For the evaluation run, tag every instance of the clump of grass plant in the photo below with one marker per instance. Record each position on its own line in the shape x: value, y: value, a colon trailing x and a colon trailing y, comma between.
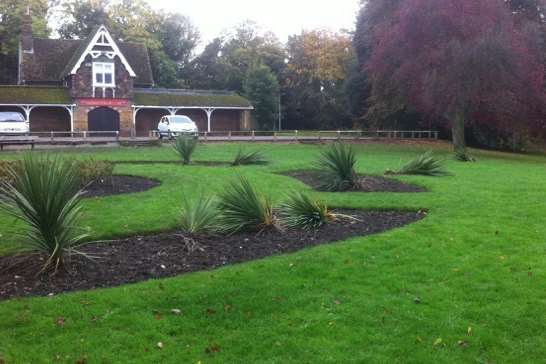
x: 302, y: 211
x: 198, y: 218
x: 185, y: 146
x: 244, y: 209
x: 336, y: 166
x: 462, y: 155
x: 425, y: 165
x: 45, y: 195
x: 244, y: 157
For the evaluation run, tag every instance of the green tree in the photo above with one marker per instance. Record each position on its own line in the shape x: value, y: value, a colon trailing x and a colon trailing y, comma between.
x: 262, y: 89
x: 81, y: 17
x: 11, y: 18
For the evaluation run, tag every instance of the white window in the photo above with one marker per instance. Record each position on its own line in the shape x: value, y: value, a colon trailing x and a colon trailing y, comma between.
x: 103, y: 74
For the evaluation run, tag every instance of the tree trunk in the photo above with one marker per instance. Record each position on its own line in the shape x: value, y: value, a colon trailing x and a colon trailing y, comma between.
x: 457, y: 130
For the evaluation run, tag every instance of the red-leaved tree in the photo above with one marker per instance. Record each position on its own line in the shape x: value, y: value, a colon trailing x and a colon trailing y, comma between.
x: 459, y: 61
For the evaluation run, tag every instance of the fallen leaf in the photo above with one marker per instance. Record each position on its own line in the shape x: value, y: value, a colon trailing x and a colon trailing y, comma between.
x: 81, y: 361
x: 176, y: 311
x: 418, y: 340
x: 438, y: 341
x: 337, y: 302
x: 462, y: 343
x: 157, y: 316
x: 160, y: 345
x: 417, y: 300
x: 227, y: 308
x: 211, y: 311
x: 60, y: 321
x: 213, y: 348
x: 469, y: 331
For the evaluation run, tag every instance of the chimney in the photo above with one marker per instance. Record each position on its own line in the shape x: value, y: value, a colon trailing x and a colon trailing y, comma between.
x: 27, y: 43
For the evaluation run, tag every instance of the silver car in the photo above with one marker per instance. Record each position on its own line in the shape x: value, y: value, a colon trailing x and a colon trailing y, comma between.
x: 13, y: 123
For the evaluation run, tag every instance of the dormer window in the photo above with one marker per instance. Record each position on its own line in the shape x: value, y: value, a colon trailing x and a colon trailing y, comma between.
x: 103, y: 74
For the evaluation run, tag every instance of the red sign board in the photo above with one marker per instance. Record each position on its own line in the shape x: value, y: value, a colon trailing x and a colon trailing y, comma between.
x: 103, y: 102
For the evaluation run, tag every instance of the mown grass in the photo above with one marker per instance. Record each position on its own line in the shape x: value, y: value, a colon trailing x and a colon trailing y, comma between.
x: 478, y: 260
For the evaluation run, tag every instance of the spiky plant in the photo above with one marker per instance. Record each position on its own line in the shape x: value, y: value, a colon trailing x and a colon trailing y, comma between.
x: 462, y: 155
x: 199, y: 217
x: 244, y: 157
x: 185, y: 146
x: 243, y: 208
x: 426, y: 165
x: 45, y: 195
x: 336, y: 166
x: 302, y: 211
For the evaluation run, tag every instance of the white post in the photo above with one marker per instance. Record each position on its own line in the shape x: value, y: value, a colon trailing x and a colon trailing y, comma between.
x: 209, y: 117
x: 70, y: 110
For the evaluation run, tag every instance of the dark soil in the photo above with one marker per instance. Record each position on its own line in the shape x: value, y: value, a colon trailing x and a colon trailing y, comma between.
x: 117, y: 185
x: 142, y: 258
x: 193, y: 163
x: 367, y: 183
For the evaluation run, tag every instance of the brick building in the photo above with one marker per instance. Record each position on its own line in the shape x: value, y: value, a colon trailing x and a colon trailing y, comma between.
x: 99, y: 84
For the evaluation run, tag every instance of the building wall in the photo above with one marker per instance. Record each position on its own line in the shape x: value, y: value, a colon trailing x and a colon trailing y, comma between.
x: 82, y: 82
x: 222, y: 120
x: 45, y: 119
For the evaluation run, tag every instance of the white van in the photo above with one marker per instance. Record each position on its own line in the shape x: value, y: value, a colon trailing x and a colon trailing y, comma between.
x: 13, y: 123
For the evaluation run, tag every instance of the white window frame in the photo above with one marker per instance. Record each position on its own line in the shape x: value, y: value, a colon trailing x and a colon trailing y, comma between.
x: 103, y: 83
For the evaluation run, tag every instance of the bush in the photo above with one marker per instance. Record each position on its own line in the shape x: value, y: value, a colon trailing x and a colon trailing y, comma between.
x: 47, y: 201
x: 464, y: 156
x: 336, y: 168
x: 425, y: 164
x: 185, y: 146
x: 6, y: 169
x: 91, y: 170
x: 301, y: 211
x: 246, y: 158
x: 199, y: 217
x: 242, y: 208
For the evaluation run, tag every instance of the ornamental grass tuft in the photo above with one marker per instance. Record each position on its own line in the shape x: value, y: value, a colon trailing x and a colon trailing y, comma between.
x: 244, y: 209
x: 425, y: 165
x: 45, y: 195
x: 185, y: 146
x: 336, y: 167
x: 302, y: 211
x: 199, y: 217
x: 248, y: 157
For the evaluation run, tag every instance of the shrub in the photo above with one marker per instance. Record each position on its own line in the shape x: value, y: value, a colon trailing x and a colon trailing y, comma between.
x: 6, y: 170
x: 47, y: 201
x: 248, y: 157
x: 301, y: 211
x: 464, y: 156
x: 425, y: 164
x: 199, y: 217
x: 185, y: 146
x: 242, y: 208
x: 336, y: 168
x: 91, y: 170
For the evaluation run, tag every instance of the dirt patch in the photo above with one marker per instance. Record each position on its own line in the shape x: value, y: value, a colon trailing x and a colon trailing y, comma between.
x: 196, y: 163
x: 118, y: 185
x: 367, y: 183
x: 141, y: 258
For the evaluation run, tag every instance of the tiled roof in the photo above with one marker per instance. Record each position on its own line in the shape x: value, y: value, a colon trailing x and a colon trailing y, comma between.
x: 34, y: 95
x: 188, y: 98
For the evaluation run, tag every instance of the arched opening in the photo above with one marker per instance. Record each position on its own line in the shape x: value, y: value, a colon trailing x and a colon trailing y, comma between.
x: 47, y: 119
x: 103, y: 119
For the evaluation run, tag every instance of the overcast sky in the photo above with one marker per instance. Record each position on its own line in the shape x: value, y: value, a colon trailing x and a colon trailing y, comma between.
x: 283, y: 17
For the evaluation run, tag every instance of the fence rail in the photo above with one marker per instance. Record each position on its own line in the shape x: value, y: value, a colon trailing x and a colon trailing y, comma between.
x: 252, y: 135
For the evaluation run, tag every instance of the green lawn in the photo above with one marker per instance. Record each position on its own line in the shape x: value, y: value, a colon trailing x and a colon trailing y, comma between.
x: 409, y: 295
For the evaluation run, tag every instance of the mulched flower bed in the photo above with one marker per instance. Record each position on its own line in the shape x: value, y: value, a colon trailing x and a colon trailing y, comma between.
x: 367, y: 183
x: 118, y: 185
x: 142, y: 258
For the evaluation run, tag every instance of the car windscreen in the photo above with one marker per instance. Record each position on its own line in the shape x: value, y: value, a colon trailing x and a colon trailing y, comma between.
x: 180, y: 120
x: 11, y: 117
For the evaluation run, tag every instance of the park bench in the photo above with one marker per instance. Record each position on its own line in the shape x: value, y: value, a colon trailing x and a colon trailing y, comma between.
x: 17, y: 140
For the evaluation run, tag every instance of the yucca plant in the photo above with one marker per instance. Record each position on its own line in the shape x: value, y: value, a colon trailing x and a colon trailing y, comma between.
x: 244, y: 157
x: 198, y: 218
x: 243, y: 208
x: 426, y: 165
x: 45, y: 195
x: 185, y: 146
x: 302, y: 211
x: 336, y: 166
x: 462, y: 155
